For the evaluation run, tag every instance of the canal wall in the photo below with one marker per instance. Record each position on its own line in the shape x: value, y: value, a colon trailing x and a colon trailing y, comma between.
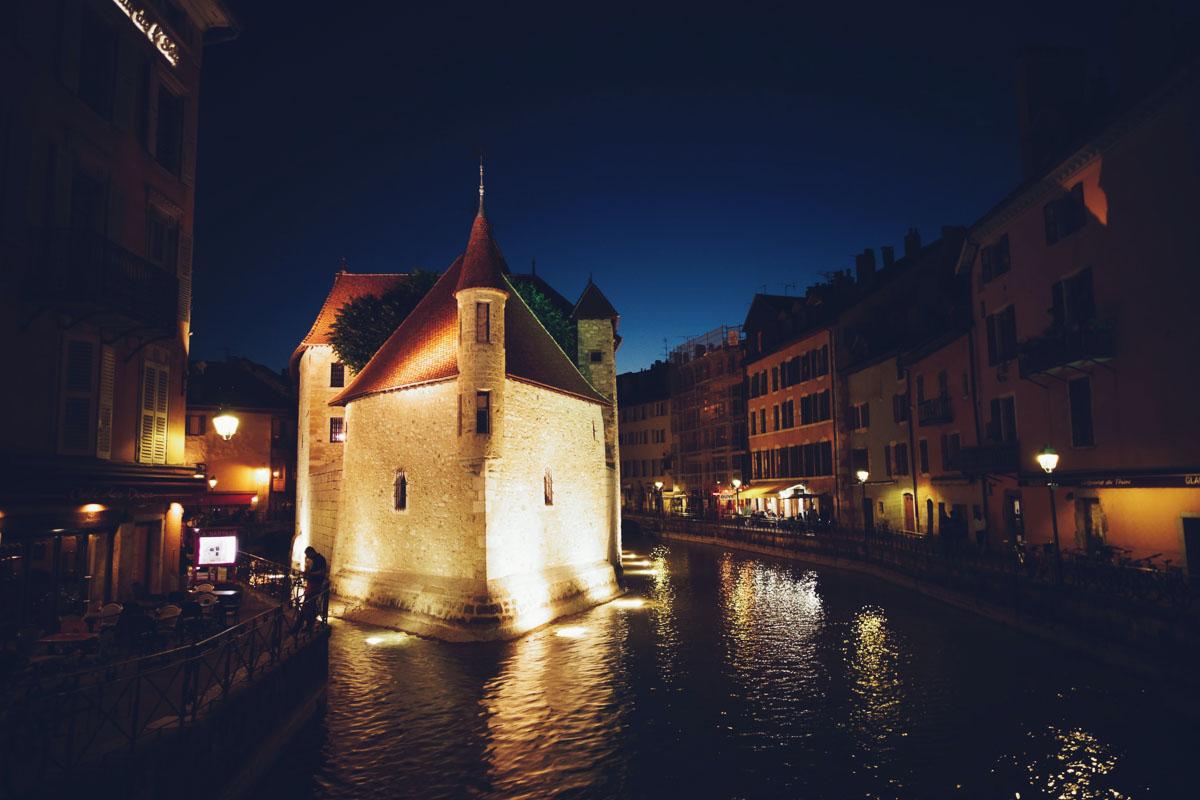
x: 1157, y: 643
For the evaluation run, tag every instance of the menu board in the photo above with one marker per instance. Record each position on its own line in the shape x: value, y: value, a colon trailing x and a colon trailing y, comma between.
x: 216, y: 549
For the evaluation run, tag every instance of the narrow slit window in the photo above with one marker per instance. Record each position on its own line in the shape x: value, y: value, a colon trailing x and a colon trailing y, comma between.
x: 483, y: 412
x: 400, y: 490
x: 483, y: 322
x: 548, y: 488
x: 337, y: 374
x: 337, y: 429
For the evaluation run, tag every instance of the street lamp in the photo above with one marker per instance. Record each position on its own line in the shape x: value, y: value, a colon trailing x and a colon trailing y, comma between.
x: 862, y: 476
x: 1047, y: 459
x: 212, y: 482
x: 658, y: 488
x: 226, y: 425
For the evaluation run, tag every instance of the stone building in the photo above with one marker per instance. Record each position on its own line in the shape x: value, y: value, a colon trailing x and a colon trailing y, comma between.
x: 98, y: 124
x: 646, y: 440
x: 478, y: 491
x: 320, y: 431
x: 708, y: 419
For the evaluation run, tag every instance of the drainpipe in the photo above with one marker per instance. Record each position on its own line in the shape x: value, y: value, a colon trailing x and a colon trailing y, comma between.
x: 983, y: 495
x: 833, y: 406
x: 914, y: 462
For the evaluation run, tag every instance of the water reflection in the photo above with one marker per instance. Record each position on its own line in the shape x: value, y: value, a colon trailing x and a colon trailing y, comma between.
x: 724, y: 675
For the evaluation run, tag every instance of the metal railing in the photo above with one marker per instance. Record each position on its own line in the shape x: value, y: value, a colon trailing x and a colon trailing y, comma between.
x: 84, y: 268
x: 969, y: 567
x: 935, y: 410
x: 49, y: 727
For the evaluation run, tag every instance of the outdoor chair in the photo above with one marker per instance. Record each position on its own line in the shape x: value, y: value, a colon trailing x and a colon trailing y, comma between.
x: 204, y: 588
x: 72, y: 623
x: 208, y: 608
x: 167, y: 621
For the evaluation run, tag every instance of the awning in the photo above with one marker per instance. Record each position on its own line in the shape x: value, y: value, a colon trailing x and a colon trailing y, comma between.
x: 227, y: 499
x: 764, y: 489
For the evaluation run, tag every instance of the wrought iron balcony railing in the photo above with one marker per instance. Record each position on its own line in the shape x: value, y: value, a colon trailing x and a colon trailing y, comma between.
x: 1000, y: 458
x: 1066, y: 346
x: 935, y: 411
x: 85, y: 270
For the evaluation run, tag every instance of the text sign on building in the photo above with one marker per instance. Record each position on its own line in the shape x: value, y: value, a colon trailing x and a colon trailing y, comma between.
x: 216, y: 549
x: 153, y: 31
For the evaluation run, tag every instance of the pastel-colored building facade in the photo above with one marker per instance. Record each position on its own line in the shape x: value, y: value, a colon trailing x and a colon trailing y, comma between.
x: 1084, y: 286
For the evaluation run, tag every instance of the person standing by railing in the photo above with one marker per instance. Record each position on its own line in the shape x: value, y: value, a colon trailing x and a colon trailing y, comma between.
x: 316, y: 578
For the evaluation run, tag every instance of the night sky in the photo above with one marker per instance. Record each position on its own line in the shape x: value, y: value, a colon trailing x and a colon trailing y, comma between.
x: 685, y: 156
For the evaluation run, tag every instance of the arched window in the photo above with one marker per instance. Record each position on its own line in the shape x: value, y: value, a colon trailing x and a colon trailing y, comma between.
x: 548, y: 488
x: 400, y: 490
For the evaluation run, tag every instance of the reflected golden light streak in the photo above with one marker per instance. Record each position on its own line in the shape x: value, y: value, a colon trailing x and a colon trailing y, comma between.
x: 571, y: 632
x: 629, y: 602
x: 390, y: 638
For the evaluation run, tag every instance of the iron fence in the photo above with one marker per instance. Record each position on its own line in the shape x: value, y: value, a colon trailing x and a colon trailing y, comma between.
x: 51, y: 726
x: 976, y: 570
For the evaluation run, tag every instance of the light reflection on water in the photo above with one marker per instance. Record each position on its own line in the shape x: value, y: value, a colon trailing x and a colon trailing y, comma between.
x: 737, y: 676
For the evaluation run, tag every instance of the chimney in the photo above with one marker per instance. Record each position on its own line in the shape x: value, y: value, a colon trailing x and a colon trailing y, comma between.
x: 912, y: 242
x: 864, y: 267
x: 889, y: 255
x: 1051, y: 104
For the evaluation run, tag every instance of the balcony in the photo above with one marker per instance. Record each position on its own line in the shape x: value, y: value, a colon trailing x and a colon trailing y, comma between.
x: 1066, y: 346
x: 99, y: 278
x: 1002, y: 458
x: 935, y: 411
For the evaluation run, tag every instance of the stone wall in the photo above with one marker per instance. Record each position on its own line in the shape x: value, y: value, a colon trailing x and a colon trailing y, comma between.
x: 440, y: 533
x: 314, y: 452
x: 325, y: 488
x: 547, y: 430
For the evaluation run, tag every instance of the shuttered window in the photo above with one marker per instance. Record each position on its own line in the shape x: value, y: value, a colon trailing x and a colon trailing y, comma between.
x: 79, y: 357
x: 152, y: 430
x: 104, y: 413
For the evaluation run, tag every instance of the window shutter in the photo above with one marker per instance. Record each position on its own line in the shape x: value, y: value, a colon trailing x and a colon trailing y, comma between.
x: 993, y: 355
x: 78, y: 366
x: 185, y: 277
x: 1051, y: 215
x: 187, y: 159
x: 72, y: 34
x: 152, y: 432
x: 128, y: 87
x: 104, y: 415
x: 985, y: 259
x: 151, y: 132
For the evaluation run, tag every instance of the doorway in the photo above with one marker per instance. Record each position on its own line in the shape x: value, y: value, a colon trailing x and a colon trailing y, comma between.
x: 910, y: 512
x: 1191, y: 547
x: 929, y: 515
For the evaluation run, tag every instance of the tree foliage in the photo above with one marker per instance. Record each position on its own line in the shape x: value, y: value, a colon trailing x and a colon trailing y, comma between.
x: 552, y: 318
x: 365, y: 323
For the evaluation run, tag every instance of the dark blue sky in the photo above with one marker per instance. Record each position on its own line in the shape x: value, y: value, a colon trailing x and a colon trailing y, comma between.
x: 684, y: 155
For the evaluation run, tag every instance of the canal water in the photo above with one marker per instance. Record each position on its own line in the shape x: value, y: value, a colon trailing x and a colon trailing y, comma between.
x: 733, y: 675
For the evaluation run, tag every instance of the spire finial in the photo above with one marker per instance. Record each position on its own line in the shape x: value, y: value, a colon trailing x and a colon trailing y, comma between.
x: 481, y: 183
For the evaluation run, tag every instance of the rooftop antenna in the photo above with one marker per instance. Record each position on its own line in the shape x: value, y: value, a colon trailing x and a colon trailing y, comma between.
x: 764, y: 288
x: 786, y: 286
x: 341, y: 263
x: 533, y: 266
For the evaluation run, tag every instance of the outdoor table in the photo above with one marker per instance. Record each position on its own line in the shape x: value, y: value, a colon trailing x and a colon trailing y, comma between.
x: 57, y: 640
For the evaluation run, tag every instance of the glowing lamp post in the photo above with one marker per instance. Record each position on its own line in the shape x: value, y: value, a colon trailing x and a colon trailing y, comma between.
x: 737, y: 495
x: 212, y: 482
x: 862, y: 476
x: 226, y: 425
x: 658, y: 489
x: 1047, y: 459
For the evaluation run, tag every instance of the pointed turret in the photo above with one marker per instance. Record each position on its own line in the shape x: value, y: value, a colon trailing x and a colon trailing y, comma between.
x: 592, y: 304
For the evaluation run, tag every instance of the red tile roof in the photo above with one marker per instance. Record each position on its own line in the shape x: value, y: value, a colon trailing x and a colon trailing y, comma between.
x: 425, y: 346
x: 482, y: 263
x: 346, y: 287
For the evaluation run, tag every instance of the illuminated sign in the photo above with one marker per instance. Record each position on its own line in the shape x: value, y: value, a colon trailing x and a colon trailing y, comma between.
x: 154, y: 32
x: 216, y: 551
